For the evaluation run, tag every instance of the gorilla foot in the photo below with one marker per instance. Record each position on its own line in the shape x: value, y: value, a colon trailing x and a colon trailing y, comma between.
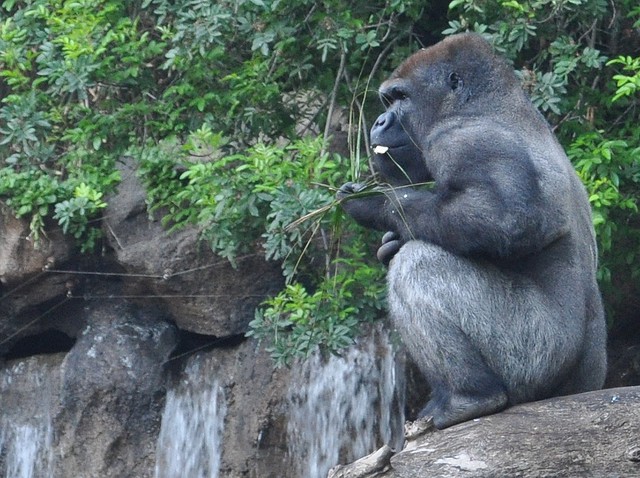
x: 460, y: 408
x: 414, y: 430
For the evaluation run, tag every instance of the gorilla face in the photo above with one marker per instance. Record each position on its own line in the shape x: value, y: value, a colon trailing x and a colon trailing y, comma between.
x: 397, y: 134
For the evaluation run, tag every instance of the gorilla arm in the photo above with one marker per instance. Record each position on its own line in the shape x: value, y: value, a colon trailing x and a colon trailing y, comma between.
x: 488, y: 200
x: 364, y: 212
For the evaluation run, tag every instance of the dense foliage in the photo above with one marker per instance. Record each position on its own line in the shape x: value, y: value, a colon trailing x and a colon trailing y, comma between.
x: 229, y: 108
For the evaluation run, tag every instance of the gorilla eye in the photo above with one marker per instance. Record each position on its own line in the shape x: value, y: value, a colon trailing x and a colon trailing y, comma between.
x: 455, y: 81
x: 395, y: 93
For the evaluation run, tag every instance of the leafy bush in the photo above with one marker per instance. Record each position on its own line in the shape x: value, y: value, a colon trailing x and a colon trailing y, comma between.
x: 251, y: 200
x: 296, y: 322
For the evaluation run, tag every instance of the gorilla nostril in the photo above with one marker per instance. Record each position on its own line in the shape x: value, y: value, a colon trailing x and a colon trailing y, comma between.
x: 384, y: 121
x: 382, y: 131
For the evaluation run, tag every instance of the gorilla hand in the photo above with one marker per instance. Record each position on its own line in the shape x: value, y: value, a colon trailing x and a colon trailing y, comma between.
x: 349, y: 188
x: 364, y: 208
x: 391, y: 244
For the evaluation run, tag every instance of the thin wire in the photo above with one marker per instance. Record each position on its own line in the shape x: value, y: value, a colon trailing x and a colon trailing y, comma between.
x: 159, y: 296
x: 70, y: 296
x: 187, y: 271
x: 17, y: 288
x: 165, y: 276
x: 192, y: 351
x: 94, y: 273
x: 25, y: 327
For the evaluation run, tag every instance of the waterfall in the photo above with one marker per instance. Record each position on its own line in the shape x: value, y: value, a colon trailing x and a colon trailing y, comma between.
x: 190, y: 441
x: 26, y: 431
x: 343, y: 408
x: 28, y: 450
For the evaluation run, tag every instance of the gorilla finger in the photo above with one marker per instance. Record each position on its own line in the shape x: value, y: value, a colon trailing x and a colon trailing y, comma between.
x: 390, y: 236
x: 345, y: 189
x: 387, y: 250
x: 348, y: 188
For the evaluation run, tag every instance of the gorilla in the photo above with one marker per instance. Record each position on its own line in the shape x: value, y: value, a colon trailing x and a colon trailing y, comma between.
x: 492, y: 270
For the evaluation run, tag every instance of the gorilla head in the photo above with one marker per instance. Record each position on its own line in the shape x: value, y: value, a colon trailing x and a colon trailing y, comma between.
x: 450, y: 80
x: 491, y: 282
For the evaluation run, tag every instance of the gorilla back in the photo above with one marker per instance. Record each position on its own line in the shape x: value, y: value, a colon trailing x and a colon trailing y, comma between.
x: 491, y: 280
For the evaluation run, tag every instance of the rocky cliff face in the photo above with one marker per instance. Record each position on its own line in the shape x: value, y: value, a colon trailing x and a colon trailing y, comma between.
x: 133, y: 363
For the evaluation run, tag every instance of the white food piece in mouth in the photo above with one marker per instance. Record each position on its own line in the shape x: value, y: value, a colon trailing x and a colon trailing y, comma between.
x: 380, y: 149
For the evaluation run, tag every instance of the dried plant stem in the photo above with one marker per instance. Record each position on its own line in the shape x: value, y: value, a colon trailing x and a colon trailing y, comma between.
x: 368, y: 190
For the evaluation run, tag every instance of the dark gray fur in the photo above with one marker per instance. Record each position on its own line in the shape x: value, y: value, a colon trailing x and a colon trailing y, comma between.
x: 491, y: 280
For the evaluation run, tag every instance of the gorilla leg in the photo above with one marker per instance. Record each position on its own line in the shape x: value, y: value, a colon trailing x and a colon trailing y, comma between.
x: 591, y: 370
x: 482, y: 339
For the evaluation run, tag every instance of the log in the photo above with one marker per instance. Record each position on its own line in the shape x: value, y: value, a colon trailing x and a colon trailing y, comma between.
x: 594, y: 434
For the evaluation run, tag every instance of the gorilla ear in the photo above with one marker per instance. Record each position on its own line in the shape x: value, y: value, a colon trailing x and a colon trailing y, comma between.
x: 455, y: 81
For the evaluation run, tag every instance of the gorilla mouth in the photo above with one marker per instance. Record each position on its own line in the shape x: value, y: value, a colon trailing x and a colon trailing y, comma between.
x: 381, y: 149
x: 400, y: 164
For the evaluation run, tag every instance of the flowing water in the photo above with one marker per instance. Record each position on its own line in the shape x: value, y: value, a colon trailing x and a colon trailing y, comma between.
x: 343, y: 408
x: 337, y: 409
x: 190, y: 441
x: 27, y: 449
x: 26, y: 431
